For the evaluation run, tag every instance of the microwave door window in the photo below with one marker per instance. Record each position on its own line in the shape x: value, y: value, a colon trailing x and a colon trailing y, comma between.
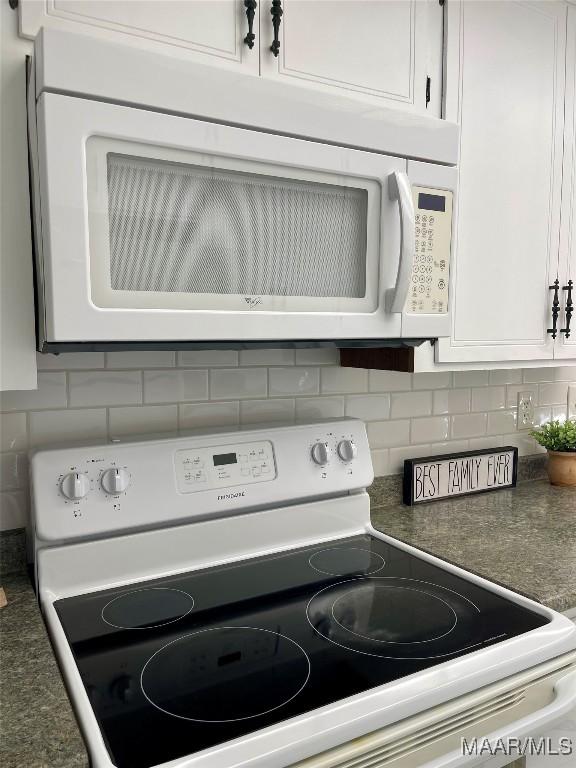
x: 193, y: 235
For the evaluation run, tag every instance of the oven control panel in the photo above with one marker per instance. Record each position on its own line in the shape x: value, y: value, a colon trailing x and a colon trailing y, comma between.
x: 223, y: 466
x: 428, y: 292
x: 95, y: 490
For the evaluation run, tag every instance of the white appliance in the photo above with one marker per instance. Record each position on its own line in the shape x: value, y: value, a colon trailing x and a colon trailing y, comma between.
x: 222, y: 600
x: 178, y: 204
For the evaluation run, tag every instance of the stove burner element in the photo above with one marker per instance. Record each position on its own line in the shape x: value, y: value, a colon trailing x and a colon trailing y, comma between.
x: 147, y: 608
x: 211, y: 676
x: 391, y: 618
x: 346, y: 561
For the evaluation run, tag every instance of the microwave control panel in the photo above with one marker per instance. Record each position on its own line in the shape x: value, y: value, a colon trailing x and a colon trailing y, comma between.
x: 428, y: 292
x: 201, y: 469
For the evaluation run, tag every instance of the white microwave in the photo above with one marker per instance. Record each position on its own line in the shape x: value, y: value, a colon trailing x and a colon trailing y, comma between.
x: 163, y: 226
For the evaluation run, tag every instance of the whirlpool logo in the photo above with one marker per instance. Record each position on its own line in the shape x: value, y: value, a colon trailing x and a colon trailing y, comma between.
x: 226, y: 496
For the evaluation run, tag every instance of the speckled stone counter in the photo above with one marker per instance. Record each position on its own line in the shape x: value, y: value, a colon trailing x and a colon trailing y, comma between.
x: 524, y: 538
x: 37, y: 725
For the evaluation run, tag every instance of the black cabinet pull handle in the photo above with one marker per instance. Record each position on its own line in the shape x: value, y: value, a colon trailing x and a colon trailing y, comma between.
x: 276, y: 12
x: 569, y: 308
x: 555, y: 309
x: 250, y: 6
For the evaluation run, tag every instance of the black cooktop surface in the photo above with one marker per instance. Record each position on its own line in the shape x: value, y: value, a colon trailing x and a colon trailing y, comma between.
x: 176, y: 665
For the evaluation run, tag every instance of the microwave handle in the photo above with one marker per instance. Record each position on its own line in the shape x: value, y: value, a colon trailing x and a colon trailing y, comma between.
x: 399, y: 189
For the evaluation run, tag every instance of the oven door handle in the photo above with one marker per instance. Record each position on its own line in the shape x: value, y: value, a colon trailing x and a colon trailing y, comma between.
x: 564, y: 703
x: 399, y: 189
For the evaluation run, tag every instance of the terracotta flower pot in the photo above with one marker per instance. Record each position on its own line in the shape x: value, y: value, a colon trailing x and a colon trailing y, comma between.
x: 562, y: 467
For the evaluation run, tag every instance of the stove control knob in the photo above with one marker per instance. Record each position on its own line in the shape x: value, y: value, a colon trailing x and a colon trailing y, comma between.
x: 75, y: 485
x: 115, y: 481
x: 347, y: 450
x: 320, y: 453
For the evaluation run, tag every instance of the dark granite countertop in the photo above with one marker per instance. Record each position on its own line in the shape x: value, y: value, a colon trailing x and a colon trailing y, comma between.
x: 524, y: 538
x: 37, y: 725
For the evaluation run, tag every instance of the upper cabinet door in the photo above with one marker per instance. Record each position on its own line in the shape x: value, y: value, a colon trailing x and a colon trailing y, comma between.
x: 374, y: 50
x: 505, y: 85
x: 207, y: 31
x: 566, y: 347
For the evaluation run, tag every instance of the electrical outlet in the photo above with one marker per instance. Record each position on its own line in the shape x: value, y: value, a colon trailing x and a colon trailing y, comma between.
x: 525, y: 410
x: 571, y: 404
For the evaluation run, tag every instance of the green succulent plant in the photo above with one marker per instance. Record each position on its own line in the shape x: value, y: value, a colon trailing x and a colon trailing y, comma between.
x: 557, y: 435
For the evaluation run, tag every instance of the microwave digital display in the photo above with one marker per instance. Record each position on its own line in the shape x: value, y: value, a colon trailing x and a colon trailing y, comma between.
x: 431, y: 202
x: 224, y: 458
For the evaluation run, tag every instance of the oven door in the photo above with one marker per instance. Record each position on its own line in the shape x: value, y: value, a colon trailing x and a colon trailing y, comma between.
x: 162, y: 228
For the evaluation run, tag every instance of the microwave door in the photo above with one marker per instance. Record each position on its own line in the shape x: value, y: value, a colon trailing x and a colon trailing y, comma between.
x: 164, y: 229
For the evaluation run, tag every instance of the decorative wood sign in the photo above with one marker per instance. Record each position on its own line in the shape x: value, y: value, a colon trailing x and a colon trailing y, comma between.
x: 459, y: 474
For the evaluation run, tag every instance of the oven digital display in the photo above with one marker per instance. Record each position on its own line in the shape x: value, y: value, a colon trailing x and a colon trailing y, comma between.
x: 431, y: 202
x: 225, y: 458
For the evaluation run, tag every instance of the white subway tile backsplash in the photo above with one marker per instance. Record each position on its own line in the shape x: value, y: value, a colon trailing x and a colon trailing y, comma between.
x: 293, y: 381
x: 488, y: 398
x: 267, y: 411
x: 267, y: 357
x: 410, y: 404
x: 318, y: 356
x: 451, y: 401
x: 336, y: 380
x: 380, y: 458
x: 565, y: 373
x: 86, y: 396
x: 389, y: 381
x: 479, y: 443
x: 314, y: 408
x: 13, y: 471
x: 14, y: 510
x: 553, y: 394
x: 526, y: 445
x: 208, y: 358
x: 512, y: 393
x: 207, y: 415
x: 238, y: 383
x: 431, y: 380
x: 175, y: 385
x: 432, y: 429
x: 91, y: 388
x: 143, y: 359
x: 500, y: 422
x: 471, y: 378
x: 368, y: 407
x: 506, y: 376
x: 47, y: 427
x: 536, y: 375
x: 469, y: 425
x: 13, y: 432
x: 51, y: 393
x: 69, y: 361
x: 143, y: 420
x: 396, y: 456
x: 387, y: 434
x: 449, y: 446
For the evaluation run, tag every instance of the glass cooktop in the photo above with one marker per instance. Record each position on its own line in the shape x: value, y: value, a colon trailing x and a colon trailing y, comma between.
x: 180, y: 664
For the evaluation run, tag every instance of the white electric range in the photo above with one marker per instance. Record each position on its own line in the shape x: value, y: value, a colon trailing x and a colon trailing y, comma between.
x: 222, y: 600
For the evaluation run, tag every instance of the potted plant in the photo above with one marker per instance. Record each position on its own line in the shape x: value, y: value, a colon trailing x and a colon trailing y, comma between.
x: 559, y: 439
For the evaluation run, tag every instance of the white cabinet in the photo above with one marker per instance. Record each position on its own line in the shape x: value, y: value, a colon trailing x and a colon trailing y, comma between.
x: 378, y: 51
x: 208, y: 31
x: 17, y: 341
x: 505, y: 85
x: 375, y: 50
x: 566, y: 347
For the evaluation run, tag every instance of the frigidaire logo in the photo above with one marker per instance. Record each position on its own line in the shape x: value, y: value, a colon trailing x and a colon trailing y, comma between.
x: 231, y: 495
